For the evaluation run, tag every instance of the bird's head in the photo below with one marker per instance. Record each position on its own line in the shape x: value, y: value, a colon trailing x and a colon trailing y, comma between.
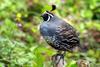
x: 48, y: 14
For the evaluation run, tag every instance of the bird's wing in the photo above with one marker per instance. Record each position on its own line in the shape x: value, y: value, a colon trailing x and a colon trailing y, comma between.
x: 66, y: 36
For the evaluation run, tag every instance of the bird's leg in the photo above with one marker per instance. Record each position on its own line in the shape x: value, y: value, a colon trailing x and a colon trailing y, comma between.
x: 54, y: 56
x: 64, y: 53
x: 58, y: 57
x: 61, y: 54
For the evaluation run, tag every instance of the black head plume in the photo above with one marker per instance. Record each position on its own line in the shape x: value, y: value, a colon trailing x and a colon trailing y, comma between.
x: 53, y: 7
x: 48, y: 14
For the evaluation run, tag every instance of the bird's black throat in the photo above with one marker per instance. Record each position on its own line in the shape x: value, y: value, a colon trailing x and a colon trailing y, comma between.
x: 45, y: 17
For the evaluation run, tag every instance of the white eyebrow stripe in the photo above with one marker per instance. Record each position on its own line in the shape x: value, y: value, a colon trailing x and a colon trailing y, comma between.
x: 50, y: 14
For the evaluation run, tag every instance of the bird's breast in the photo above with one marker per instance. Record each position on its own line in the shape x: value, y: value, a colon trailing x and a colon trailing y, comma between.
x: 48, y: 32
x: 47, y: 29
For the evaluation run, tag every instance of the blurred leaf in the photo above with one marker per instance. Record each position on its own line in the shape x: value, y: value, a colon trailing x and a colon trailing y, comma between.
x: 72, y: 64
x: 46, y: 8
x: 86, y: 14
x: 2, y: 65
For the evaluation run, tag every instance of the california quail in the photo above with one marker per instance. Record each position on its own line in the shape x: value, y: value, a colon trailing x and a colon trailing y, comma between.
x: 58, y: 33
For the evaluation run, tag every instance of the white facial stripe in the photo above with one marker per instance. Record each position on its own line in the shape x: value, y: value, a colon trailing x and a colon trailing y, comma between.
x: 48, y: 18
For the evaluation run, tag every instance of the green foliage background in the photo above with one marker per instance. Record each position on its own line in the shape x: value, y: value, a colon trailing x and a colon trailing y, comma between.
x: 21, y: 44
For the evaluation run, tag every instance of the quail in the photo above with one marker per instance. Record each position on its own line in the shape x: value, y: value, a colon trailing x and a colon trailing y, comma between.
x: 58, y: 34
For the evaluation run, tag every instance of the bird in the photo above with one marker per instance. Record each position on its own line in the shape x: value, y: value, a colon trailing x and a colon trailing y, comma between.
x: 59, y: 34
